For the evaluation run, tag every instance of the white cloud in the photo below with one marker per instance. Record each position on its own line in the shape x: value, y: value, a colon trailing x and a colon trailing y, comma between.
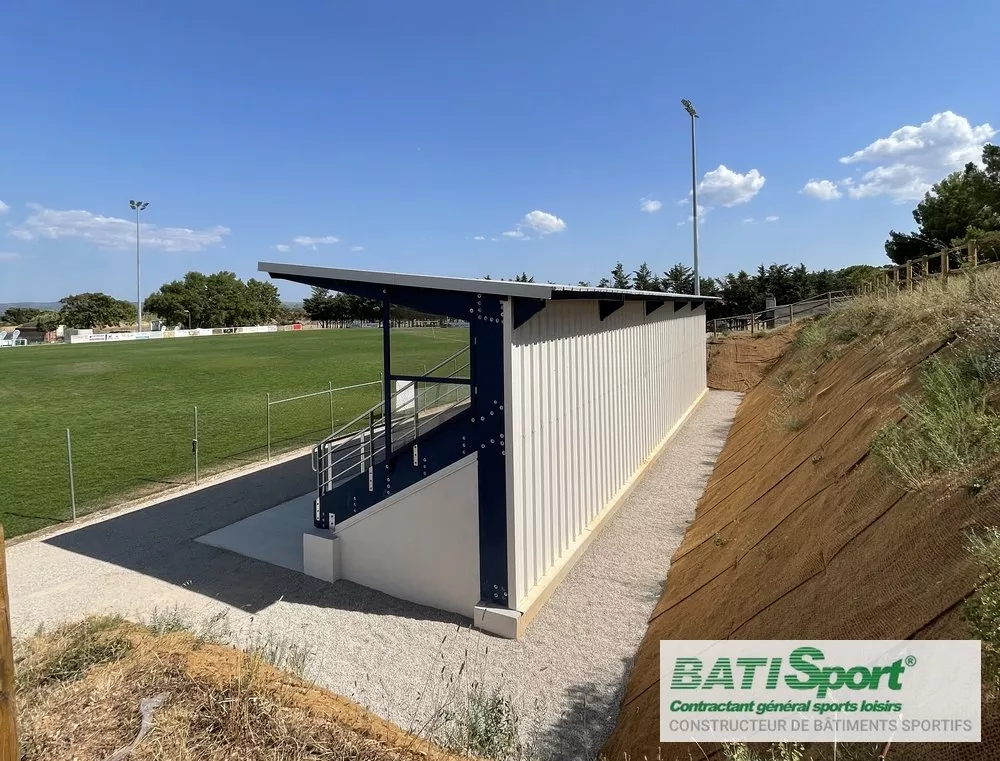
x: 771, y: 219
x: 8, y: 256
x: 748, y: 220
x: 355, y: 249
x: 513, y: 234
x: 113, y: 233
x: 649, y: 205
x: 702, y: 213
x: 725, y: 187
x: 824, y: 190
x: 542, y: 222
x: 480, y: 237
x: 4, y: 208
x: 311, y: 242
x: 911, y: 159
x: 283, y: 248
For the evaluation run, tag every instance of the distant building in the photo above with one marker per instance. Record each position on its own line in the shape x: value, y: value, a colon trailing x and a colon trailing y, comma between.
x: 31, y: 333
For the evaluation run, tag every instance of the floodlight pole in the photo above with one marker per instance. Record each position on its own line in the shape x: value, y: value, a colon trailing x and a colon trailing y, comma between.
x: 694, y: 193
x: 137, y: 206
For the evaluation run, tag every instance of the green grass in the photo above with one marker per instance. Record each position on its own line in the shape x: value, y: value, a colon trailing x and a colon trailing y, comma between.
x: 130, y: 408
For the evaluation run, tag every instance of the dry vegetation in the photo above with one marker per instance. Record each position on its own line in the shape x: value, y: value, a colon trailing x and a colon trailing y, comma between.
x: 80, y: 687
x: 868, y: 458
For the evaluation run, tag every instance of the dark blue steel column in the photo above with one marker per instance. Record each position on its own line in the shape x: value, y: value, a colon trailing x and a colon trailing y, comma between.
x: 387, y: 383
x: 486, y: 352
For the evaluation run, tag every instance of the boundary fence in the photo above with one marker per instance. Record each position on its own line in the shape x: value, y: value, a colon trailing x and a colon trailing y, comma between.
x: 272, y: 447
x: 947, y: 261
x: 779, y: 315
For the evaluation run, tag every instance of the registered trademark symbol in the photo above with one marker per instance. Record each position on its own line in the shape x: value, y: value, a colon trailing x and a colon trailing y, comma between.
x: 911, y: 660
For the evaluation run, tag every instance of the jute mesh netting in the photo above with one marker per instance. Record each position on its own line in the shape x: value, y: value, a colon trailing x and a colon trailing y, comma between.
x: 801, y: 534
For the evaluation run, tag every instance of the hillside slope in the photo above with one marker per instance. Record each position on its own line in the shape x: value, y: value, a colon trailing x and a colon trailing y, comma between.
x: 801, y: 533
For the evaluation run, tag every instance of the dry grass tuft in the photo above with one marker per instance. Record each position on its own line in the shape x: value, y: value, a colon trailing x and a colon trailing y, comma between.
x: 80, y: 686
x: 933, y: 310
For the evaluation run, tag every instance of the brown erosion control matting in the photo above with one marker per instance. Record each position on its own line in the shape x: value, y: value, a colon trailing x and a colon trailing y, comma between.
x: 739, y: 362
x: 800, y: 535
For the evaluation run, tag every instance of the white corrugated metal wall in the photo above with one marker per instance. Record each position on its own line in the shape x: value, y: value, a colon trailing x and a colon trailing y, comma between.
x: 588, y: 402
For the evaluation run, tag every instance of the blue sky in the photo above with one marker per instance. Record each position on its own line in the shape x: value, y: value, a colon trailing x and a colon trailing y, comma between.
x: 392, y: 135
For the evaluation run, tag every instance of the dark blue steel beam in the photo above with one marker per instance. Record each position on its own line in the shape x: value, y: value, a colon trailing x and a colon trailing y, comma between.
x: 525, y: 309
x: 486, y: 351
x: 431, y: 379
x: 607, y: 308
x: 458, y: 305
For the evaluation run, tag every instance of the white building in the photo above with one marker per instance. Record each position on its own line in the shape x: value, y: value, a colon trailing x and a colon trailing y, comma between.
x: 479, y: 498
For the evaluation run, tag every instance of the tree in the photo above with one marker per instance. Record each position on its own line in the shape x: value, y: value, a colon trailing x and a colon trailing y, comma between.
x: 644, y: 279
x: 523, y: 278
x: 965, y: 200
x: 678, y: 279
x: 259, y: 304
x: 47, y: 321
x: 95, y: 310
x: 318, y: 305
x: 217, y: 300
x: 620, y: 278
x: 19, y: 315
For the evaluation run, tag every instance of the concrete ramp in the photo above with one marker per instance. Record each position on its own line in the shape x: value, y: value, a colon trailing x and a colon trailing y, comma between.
x: 274, y: 536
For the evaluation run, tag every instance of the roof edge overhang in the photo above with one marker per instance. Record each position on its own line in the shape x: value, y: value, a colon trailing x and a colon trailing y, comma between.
x: 336, y: 279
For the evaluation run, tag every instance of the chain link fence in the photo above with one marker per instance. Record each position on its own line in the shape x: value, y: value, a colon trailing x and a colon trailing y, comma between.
x: 77, y: 470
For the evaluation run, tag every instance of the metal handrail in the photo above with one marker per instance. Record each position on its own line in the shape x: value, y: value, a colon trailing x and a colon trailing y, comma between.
x: 321, y: 461
x: 752, y: 318
x: 339, y: 433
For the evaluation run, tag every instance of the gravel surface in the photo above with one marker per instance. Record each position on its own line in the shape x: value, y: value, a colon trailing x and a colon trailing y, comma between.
x: 403, y: 661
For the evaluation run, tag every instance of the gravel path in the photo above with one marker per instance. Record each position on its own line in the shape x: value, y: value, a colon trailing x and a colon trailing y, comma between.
x: 403, y: 661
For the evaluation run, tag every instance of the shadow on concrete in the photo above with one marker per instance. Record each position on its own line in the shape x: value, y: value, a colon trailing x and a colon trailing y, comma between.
x: 159, y: 541
x: 582, y: 730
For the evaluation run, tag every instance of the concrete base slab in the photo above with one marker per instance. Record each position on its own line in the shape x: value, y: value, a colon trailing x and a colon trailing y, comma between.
x: 274, y: 536
x: 502, y: 622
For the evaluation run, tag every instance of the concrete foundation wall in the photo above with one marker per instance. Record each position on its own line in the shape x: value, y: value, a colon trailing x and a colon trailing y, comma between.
x: 420, y: 545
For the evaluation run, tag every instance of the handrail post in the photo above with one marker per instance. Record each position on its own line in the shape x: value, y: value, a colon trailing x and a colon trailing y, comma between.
x: 973, y: 254
x: 944, y: 264
x: 416, y: 423
x: 791, y: 313
x: 371, y: 446
x: 72, y: 482
x: 269, y: 427
x: 909, y: 276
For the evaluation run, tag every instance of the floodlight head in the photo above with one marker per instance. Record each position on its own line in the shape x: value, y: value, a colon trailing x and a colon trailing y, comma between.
x: 689, y: 108
x: 143, y: 205
x: 132, y: 204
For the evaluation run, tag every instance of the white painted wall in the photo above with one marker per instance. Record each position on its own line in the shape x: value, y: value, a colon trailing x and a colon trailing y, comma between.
x: 422, y: 544
x: 588, y: 402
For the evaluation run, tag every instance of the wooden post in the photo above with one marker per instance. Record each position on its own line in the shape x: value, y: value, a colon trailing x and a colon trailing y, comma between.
x: 973, y: 254
x: 909, y: 276
x: 8, y: 710
x: 944, y: 264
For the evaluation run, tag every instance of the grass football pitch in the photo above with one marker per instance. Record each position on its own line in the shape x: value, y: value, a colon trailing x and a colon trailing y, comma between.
x: 130, y: 409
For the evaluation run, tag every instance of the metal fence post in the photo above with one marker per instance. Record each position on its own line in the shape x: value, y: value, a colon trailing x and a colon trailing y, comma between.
x: 333, y: 428
x: 194, y: 446
x: 72, y: 484
x: 269, y: 427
